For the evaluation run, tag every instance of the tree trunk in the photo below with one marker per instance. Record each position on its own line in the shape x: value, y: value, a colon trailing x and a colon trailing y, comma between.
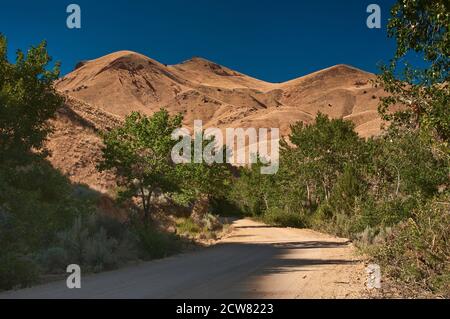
x: 308, y: 191
x: 265, y: 202
x: 200, y: 209
x: 398, y: 181
x: 325, y: 189
x: 146, y: 198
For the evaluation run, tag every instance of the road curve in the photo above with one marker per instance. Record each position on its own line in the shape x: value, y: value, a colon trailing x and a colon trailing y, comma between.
x: 254, y: 261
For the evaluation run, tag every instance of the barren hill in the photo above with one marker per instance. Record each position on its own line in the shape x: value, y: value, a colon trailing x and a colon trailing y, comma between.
x: 125, y: 81
x: 100, y: 92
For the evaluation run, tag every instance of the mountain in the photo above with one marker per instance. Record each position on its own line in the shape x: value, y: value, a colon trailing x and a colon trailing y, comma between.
x: 103, y: 91
x: 126, y: 81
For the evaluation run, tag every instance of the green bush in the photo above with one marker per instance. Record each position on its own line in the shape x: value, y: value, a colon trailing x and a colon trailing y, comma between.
x: 154, y: 244
x: 97, y: 243
x: 281, y: 217
x: 418, y: 249
x: 53, y: 260
x: 187, y: 226
x: 39, y: 203
x: 206, y: 228
x: 225, y: 207
x: 100, y: 252
x: 17, y: 271
x: 211, y: 223
x: 337, y: 223
x: 372, y: 236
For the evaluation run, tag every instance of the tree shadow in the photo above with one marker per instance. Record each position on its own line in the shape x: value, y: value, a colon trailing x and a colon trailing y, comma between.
x: 255, y: 227
x: 312, y: 244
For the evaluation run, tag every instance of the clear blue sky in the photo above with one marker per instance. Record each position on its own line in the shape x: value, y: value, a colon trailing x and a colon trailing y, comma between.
x: 274, y: 40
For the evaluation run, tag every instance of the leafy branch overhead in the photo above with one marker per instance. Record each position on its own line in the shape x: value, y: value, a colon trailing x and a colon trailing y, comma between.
x: 27, y: 98
x: 419, y: 96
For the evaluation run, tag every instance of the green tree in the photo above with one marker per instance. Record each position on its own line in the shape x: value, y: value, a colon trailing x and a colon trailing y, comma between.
x: 419, y: 26
x: 411, y: 162
x: 36, y: 201
x: 253, y: 191
x: 201, y: 182
x: 139, y: 153
x: 319, y: 154
x: 27, y: 100
x: 404, y: 164
x: 312, y: 160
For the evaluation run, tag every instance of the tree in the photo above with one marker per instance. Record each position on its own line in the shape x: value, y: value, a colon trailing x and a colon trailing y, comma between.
x: 252, y: 190
x: 27, y: 100
x: 139, y: 152
x: 412, y: 161
x: 419, y: 26
x: 319, y: 154
x: 200, y: 182
x: 405, y: 164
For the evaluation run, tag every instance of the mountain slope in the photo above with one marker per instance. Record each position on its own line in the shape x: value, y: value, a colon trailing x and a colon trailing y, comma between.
x: 126, y: 81
x: 101, y: 92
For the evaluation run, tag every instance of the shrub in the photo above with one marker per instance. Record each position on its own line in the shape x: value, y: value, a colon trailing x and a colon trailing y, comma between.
x: 282, y: 217
x: 38, y: 202
x: 211, y: 222
x: 336, y: 223
x: 154, y: 244
x: 100, y: 251
x: 187, y: 226
x: 206, y: 228
x: 17, y: 271
x: 98, y: 243
x: 418, y: 250
x: 225, y: 207
x: 53, y: 260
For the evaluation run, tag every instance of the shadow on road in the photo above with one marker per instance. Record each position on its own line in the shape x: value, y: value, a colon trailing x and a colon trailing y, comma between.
x: 228, y: 270
x: 312, y: 244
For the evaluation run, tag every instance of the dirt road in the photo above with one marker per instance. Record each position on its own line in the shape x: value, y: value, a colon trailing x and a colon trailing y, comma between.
x: 254, y: 261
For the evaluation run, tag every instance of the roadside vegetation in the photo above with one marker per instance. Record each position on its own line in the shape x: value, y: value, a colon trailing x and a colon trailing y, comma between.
x: 47, y: 222
x: 390, y: 194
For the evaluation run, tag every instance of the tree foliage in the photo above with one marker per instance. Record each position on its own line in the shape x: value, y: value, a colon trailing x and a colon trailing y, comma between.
x: 27, y: 99
x: 139, y: 153
x: 201, y: 182
x: 421, y: 93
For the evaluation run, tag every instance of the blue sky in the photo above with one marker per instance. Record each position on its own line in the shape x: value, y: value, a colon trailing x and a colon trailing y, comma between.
x: 274, y: 40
